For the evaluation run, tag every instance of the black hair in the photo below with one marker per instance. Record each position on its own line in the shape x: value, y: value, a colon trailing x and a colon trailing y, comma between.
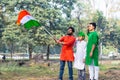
x: 93, y: 24
x: 73, y: 30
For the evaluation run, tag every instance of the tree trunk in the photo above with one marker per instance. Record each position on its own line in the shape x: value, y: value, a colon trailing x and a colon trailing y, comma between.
x: 48, y: 51
x: 30, y: 52
x: 11, y: 50
x: 11, y: 55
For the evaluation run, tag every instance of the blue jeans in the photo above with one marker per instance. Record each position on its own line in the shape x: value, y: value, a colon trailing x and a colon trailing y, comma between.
x: 62, y: 65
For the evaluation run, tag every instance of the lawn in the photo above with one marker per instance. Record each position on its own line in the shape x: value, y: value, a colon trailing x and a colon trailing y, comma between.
x: 48, y: 70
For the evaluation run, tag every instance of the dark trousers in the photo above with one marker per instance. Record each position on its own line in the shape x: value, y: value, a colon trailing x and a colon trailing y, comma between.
x: 62, y: 65
x: 81, y: 74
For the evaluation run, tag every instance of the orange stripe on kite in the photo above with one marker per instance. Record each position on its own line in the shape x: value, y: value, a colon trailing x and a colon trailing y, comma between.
x: 21, y: 15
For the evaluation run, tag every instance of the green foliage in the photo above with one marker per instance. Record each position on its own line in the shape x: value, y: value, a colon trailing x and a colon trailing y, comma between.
x: 55, y: 16
x: 108, y: 49
x: 46, y: 12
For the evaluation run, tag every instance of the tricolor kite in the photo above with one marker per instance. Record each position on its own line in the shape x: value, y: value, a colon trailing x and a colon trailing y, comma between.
x: 27, y: 20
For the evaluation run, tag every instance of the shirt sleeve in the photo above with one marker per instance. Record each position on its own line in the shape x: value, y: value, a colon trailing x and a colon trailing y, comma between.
x: 61, y: 39
x: 95, y: 39
x: 70, y: 41
x: 84, y: 50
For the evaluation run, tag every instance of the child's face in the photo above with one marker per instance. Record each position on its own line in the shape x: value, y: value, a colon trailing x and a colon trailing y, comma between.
x: 80, y: 38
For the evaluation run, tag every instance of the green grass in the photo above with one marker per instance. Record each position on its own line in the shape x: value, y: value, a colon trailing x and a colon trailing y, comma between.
x: 11, y: 70
x: 104, y: 67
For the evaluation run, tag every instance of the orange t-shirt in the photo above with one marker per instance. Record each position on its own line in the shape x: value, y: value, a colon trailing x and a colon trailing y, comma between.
x: 67, y: 53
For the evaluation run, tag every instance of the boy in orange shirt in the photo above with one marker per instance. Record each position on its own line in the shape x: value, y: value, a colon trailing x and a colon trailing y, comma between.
x: 67, y: 54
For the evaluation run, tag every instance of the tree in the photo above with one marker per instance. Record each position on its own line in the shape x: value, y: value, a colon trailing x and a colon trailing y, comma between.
x: 10, y: 37
x: 51, y: 19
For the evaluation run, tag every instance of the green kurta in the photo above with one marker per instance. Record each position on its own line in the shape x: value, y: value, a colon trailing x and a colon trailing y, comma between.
x: 92, y: 39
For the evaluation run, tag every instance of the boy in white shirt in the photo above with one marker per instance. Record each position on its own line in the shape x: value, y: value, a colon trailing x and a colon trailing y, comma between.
x: 80, y: 56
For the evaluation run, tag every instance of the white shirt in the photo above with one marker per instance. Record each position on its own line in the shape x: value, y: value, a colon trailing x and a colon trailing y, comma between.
x: 80, y: 55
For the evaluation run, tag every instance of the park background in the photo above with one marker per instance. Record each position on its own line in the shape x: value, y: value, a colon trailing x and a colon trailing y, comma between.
x: 34, y: 55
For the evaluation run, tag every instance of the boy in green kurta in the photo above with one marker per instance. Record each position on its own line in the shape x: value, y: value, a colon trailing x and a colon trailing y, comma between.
x: 92, y: 55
